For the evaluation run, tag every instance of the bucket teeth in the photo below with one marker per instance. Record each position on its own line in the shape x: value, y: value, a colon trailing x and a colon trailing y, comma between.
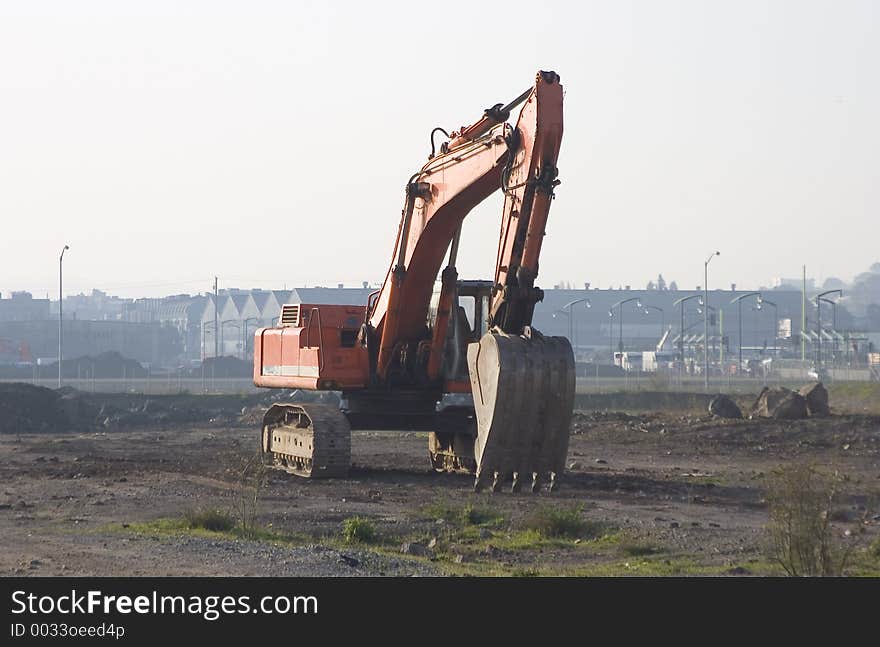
x: 496, y: 481
x: 514, y: 486
x: 536, y: 482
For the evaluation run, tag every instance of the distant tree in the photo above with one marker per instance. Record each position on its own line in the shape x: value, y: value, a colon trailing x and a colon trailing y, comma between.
x: 875, y: 268
x: 833, y: 283
x: 661, y: 282
x: 673, y: 286
x: 864, y: 292
x: 873, y: 316
x: 650, y: 286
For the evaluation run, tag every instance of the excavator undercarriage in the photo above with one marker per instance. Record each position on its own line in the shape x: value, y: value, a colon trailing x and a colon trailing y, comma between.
x: 311, y: 440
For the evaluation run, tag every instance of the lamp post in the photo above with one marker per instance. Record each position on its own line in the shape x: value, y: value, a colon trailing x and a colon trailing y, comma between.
x: 205, y: 325
x: 818, y: 300
x: 706, y: 319
x: 761, y: 302
x: 60, y: 312
x: 611, y: 334
x: 738, y: 301
x: 833, y: 305
x: 662, y: 317
x: 619, y: 305
x: 568, y: 306
x: 230, y: 322
x: 680, y: 303
x: 245, y: 337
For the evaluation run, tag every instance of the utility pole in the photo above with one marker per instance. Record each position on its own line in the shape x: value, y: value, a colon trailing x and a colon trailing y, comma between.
x: 819, y: 300
x: 706, y: 320
x: 60, y: 313
x: 216, y: 316
x: 804, y: 317
x: 738, y: 301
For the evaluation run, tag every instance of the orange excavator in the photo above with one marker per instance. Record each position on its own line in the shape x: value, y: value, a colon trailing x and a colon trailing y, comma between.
x: 462, y: 363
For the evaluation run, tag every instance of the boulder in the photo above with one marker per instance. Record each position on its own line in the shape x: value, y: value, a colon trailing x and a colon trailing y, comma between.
x: 780, y: 403
x: 816, y: 396
x: 414, y: 548
x: 722, y: 406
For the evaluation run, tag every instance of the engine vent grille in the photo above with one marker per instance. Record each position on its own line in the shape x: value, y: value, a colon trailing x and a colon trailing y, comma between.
x: 290, y: 315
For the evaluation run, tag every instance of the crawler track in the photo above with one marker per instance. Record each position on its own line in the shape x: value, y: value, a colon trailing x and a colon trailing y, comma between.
x: 309, y: 440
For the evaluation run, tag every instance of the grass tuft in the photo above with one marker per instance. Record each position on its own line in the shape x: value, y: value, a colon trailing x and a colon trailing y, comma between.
x: 635, y: 549
x: 207, y: 519
x: 565, y: 523
x: 357, y: 530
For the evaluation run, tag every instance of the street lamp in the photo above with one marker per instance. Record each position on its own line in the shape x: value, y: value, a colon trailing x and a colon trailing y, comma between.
x: 662, y: 317
x: 570, y: 315
x: 706, y: 318
x: 611, y: 334
x: 833, y: 305
x: 244, y: 335
x: 761, y: 301
x: 60, y: 314
x: 738, y: 301
x: 619, y: 306
x: 680, y: 303
x: 205, y: 325
x: 818, y: 300
x: 231, y: 322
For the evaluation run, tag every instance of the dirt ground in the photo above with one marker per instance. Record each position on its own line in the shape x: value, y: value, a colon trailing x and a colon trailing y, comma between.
x: 649, y: 493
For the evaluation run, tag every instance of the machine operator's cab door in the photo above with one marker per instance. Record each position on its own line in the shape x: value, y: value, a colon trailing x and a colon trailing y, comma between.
x: 468, y: 323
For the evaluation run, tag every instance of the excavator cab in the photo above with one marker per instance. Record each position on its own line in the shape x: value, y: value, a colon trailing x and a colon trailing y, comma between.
x: 468, y: 322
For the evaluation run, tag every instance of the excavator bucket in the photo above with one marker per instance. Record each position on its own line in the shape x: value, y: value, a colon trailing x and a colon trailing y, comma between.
x: 523, y: 388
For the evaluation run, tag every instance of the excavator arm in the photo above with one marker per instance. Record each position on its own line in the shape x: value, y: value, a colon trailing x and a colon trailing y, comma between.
x: 528, y: 180
x: 522, y: 382
x: 475, y: 163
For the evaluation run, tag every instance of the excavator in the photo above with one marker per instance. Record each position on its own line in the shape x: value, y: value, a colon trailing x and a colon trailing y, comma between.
x: 463, y: 362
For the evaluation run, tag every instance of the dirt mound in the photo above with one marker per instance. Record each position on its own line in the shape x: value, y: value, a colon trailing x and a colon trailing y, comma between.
x: 816, y: 396
x: 780, y: 403
x: 722, y: 406
x: 106, y: 365
x: 27, y: 408
x: 219, y: 367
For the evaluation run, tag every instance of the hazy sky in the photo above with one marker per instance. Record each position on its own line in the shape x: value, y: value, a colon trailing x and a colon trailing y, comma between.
x: 269, y: 142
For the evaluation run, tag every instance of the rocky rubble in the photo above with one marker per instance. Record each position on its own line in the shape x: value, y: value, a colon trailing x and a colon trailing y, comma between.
x: 780, y: 403
x: 816, y: 396
x: 723, y: 406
